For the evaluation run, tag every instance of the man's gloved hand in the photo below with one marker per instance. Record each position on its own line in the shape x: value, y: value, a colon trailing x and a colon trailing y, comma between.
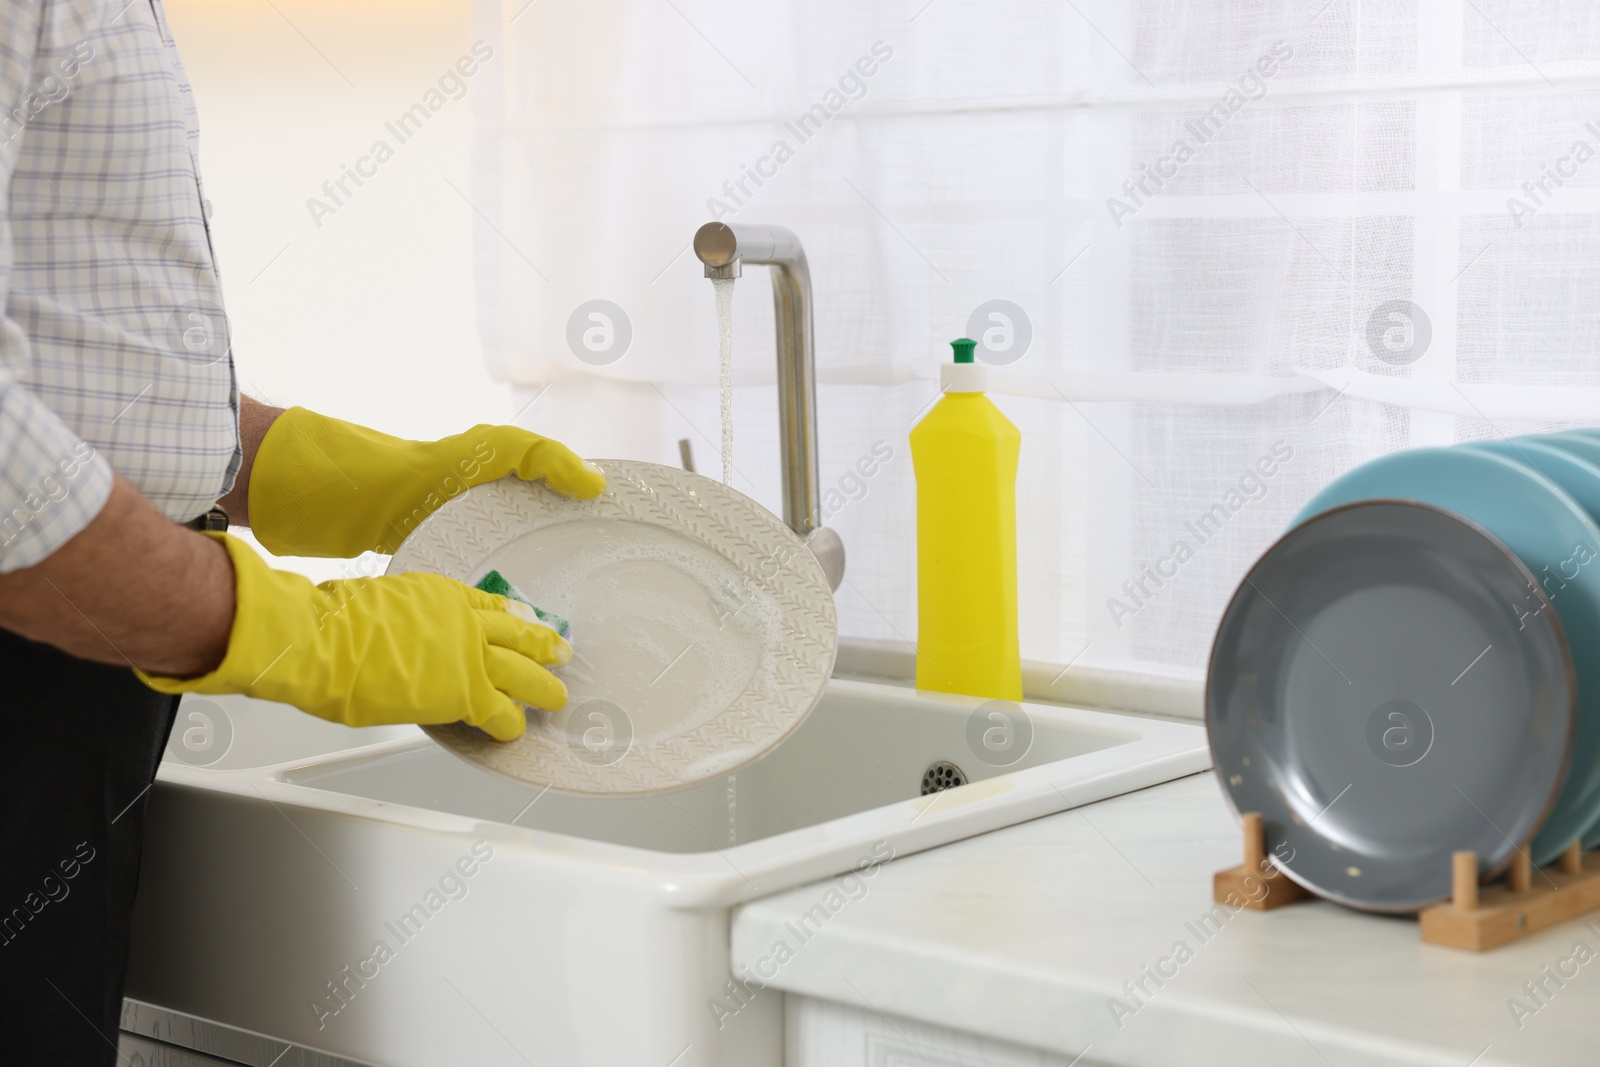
x: 322, y: 487
x: 407, y: 648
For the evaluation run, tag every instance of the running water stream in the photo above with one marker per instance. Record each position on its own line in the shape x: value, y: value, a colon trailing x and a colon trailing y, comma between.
x: 724, y: 292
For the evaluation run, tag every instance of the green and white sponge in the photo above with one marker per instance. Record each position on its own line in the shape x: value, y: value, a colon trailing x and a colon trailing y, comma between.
x: 520, y: 606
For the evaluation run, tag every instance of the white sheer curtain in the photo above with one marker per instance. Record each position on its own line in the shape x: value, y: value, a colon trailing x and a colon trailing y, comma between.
x: 1330, y: 267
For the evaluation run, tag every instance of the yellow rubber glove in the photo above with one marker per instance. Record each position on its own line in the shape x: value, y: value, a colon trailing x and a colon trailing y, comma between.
x: 323, y: 487
x: 406, y: 648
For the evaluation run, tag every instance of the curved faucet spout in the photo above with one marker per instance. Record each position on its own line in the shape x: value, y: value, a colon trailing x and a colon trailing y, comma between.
x: 721, y: 247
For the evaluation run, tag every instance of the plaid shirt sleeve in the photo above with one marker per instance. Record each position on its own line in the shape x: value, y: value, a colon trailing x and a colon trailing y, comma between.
x: 114, y: 347
x: 52, y: 482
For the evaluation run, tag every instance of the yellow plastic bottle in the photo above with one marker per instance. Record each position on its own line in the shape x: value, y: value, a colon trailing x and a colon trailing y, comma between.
x: 965, y: 455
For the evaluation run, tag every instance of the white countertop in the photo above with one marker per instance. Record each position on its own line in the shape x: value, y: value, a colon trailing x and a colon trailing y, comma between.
x: 1025, y: 934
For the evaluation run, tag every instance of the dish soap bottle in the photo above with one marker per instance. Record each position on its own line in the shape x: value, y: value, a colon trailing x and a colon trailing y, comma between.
x: 965, y: 455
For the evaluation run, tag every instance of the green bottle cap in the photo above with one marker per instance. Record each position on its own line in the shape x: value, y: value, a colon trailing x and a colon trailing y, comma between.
x: 963, y: 347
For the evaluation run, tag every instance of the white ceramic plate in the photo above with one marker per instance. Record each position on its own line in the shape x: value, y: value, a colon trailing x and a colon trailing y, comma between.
x: 703, y: 630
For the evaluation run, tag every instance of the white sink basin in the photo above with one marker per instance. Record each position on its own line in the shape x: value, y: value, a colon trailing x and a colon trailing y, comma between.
x: 589, y: 932
x: 228, y: 733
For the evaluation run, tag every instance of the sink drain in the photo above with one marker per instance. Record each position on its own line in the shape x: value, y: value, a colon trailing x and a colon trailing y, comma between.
x: 941, y: 776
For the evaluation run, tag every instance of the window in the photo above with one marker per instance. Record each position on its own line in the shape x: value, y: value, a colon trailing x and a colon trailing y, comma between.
x: 1235, y: 250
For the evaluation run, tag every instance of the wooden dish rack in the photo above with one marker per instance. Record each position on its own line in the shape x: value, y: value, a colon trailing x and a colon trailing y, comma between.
x: 1475, y: 918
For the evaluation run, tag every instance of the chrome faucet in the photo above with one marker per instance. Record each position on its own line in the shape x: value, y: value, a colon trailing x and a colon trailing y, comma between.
x: 722, y: 248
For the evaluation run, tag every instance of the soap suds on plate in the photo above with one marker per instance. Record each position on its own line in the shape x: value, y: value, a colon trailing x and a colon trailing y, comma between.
x: 663, y: 627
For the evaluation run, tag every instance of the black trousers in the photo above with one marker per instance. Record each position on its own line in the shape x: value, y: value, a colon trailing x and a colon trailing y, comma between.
x: 79, y: 745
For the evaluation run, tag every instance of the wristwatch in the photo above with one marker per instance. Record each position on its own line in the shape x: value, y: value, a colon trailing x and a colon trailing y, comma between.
x: 216, y: 519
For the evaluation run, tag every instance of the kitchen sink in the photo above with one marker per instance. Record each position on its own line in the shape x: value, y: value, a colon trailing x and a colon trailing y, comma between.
x: 231, y: 732
x: 395, y: 905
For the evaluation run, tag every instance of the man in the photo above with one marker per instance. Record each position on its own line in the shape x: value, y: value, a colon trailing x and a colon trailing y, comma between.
x: 120, y: 426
